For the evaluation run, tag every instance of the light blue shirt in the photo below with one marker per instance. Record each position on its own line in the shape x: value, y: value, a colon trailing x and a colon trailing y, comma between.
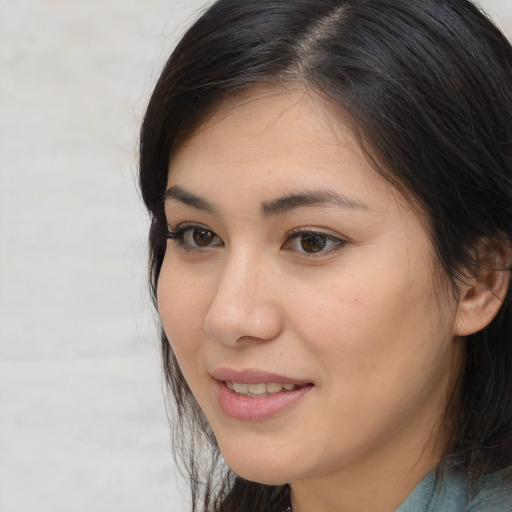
x: 451, y: 492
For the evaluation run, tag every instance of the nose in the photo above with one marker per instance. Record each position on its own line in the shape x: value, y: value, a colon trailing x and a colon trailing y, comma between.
x: 244, y: 307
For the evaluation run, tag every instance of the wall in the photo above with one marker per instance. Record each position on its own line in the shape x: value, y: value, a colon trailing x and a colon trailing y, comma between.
x: 82, y: 422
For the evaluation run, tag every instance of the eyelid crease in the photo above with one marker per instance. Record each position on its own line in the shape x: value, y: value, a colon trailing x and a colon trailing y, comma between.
x: 334, y: 242
x: 317, y: 231
x: 187, y: 225
x: 293, y: 235
x: 178, y: 234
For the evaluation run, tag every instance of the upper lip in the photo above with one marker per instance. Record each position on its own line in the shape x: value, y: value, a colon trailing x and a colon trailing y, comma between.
x: 254, y: 376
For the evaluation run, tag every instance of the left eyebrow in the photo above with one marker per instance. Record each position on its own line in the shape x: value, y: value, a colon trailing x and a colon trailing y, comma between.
x: 309, y: 198
x: 177, y: 193
x: 276, y: 206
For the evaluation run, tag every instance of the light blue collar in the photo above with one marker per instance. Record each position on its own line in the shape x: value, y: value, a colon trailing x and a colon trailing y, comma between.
x: 448, y: 491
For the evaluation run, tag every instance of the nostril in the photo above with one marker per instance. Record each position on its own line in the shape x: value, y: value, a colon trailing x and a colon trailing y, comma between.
x: 239, y: 323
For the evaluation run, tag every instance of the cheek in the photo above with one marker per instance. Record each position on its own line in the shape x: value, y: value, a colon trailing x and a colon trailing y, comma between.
x: 383, y: 350
x: 369, y: 322
x: 181, y: 312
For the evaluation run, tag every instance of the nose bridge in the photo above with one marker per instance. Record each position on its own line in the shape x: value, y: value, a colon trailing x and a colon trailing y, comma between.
x: 243, y: 306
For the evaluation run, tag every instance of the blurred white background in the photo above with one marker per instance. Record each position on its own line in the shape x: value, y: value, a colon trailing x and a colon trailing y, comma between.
x: 82, y: 420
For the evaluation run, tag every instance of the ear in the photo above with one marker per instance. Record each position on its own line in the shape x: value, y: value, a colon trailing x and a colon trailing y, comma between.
x: 481, y: 296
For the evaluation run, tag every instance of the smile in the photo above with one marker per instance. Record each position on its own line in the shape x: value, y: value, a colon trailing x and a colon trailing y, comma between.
x: 257, y: 396
x: 260, y: 390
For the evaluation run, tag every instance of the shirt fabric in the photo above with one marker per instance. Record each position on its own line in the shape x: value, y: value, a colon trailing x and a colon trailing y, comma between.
x: 447, y: 491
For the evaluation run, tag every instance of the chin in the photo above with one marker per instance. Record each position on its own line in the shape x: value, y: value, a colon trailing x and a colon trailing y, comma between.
x: 260, y: 469
x: 261, y: 476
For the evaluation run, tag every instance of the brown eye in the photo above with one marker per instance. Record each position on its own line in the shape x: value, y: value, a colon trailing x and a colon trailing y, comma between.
x: 202, y: 237
x: 197, y: 237
x: 312, y: 242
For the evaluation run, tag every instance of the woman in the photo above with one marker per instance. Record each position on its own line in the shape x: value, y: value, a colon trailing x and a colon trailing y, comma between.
x: 330, y: 187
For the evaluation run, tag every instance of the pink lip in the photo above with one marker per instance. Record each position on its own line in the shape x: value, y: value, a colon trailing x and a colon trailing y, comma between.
x: 247, y: 408
x: 252, y: 376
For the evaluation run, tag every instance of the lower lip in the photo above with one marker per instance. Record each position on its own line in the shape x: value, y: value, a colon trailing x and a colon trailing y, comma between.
x: 247, y: 408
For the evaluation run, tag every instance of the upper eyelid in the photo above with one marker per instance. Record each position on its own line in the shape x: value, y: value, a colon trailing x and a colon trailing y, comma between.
x: 179, y: 233
x: 183, y: 226
x: 317, y: 231
x: 188, y: 225
x: 336, y: 238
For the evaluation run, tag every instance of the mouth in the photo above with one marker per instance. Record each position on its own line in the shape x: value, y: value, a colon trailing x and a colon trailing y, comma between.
x: 253, y: 395
x: 260, y: 390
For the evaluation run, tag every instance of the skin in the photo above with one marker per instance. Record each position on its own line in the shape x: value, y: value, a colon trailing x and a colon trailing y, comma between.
x: 369, y: 320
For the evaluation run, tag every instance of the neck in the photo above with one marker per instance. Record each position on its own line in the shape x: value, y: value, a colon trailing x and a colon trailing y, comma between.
x: 358, y: 491
x: 383, y: 480
x: 380, y: 484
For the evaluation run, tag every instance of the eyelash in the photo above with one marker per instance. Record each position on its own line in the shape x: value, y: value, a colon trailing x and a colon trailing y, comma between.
x: 336, y: 243
x: 333, y: 242
x: 180, y: 234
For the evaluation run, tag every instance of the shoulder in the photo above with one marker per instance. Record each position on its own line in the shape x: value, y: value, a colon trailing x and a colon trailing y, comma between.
x: 493, y: 494
x: 449, y: 491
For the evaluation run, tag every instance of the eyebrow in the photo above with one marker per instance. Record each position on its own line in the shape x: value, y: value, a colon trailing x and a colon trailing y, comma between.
x: 310, y: 198
x: 180, y: 194
x: 277, y: 206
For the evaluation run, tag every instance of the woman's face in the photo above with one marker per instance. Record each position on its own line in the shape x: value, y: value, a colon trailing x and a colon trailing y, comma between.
x: 301, y: 297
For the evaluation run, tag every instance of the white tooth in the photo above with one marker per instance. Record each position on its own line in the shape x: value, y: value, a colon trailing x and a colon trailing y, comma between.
x: 274, y: 387
x: 240, y: 388
x: 229, y: 384
x: 289, y: 387
x: 257, y: 389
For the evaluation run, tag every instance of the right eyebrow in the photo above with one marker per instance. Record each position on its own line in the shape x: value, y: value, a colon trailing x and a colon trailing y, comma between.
x: 176, y: 193
x: 309, y: 198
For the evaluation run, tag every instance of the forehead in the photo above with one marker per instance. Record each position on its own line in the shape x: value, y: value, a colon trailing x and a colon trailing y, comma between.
x: 258, y: 109
x: 276, y: 141
x: 286, y: 127
x: 261, y: 147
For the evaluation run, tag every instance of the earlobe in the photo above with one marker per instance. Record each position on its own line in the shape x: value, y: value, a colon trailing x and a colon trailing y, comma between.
x: 481, y: 297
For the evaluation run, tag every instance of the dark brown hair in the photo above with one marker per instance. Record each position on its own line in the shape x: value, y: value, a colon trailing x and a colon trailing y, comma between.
x: 427, y: 87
